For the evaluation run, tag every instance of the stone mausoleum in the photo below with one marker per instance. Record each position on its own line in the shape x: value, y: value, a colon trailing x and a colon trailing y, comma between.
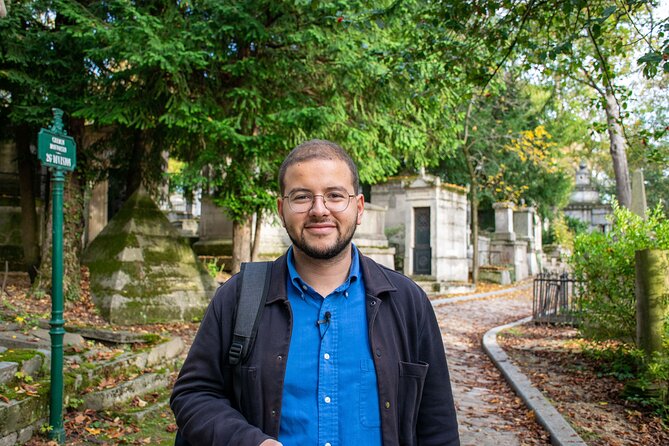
x: 427, y: 220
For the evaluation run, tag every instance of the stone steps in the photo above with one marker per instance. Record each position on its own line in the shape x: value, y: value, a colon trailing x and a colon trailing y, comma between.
x: 126, y: 390
x: 22, y: 414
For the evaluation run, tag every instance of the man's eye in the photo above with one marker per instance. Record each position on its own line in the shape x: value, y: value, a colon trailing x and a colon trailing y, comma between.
x: 335, y: 196
x: 301, y: 197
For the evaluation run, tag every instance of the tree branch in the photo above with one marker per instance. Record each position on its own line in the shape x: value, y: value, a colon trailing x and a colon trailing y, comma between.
x: 512, y: 46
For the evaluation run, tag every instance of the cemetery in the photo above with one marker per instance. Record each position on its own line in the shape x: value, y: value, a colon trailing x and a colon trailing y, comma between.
x: 148, y: 265
x: 512, y: 158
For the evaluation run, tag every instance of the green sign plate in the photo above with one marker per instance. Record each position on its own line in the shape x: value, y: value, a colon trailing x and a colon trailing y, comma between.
x: 56, y: 150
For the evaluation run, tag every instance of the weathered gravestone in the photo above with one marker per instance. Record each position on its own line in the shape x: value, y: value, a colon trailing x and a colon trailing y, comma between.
x: 142, y: 271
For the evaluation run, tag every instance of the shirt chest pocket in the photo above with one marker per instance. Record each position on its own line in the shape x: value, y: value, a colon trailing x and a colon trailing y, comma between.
x: 369, y: 395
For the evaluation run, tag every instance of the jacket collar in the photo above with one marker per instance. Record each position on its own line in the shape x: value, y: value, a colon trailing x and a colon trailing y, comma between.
x: 375, y: 277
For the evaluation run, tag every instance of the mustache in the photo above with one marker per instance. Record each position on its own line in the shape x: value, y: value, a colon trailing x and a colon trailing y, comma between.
x: 321, y: 220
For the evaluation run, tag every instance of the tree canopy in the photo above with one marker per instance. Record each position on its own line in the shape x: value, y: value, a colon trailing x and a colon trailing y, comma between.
x: 479, y: 88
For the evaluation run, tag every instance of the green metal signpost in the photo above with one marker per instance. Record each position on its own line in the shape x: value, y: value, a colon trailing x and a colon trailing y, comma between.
x: 58, y: 151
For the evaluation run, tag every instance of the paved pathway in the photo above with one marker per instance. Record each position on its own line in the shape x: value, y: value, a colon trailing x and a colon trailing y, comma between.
x: 481, y: 396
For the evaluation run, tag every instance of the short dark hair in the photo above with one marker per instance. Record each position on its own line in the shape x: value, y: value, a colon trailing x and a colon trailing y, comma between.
x: 318, y: 149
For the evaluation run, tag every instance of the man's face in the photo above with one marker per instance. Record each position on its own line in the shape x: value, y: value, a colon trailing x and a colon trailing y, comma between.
x: 320, y: 233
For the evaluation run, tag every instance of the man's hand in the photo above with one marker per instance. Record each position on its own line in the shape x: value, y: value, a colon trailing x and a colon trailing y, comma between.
x: 270, y: 442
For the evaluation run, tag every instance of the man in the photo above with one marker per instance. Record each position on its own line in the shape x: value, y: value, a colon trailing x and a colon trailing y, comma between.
x: 347, y: 352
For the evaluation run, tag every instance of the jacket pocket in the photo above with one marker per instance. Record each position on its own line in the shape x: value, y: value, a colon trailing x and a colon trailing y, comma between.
x: 249, y: 400
x: 369, y: 407
x: 412, y: 379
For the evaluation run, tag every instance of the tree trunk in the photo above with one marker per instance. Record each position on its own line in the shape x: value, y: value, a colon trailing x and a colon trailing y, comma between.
x: 29, y: 226
x: 652, y: 287
x: 475, y: 230
x: 474, y: 195
x: 241, y: 244
x: 136, y: 165
x: 617, y: 149
x: 255, y: 248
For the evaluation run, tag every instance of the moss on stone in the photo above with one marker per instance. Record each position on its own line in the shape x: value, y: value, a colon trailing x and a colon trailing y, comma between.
x: 19, y: 355
x: 141, y: 257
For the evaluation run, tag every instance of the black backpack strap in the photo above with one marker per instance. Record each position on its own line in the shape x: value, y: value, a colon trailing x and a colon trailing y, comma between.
x: 254, y: 286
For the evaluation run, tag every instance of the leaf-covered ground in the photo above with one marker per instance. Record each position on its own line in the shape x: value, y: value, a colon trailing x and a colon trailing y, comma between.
x: 553, y: 360
x: 86, y: 427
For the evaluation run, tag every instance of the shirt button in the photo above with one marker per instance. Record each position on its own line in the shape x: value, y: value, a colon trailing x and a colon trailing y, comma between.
x: 326, y: 356
x: 387, y: 404
x: 378, y: 352
x: 327, y: 444
x: 372, y: 302
x: 346, y: 293
x: 304, y: 287
x: 327, y: 399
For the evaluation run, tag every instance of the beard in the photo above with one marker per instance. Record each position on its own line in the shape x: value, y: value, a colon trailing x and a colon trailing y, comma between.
x: 327, y: 252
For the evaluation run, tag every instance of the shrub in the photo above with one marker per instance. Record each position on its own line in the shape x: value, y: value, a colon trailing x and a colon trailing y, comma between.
x: 605, y: 264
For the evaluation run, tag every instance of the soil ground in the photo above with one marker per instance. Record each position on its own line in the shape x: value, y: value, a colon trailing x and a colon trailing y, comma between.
x: 489, y: 412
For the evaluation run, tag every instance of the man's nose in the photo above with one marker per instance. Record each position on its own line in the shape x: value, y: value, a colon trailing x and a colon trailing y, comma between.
x: 318, y: 206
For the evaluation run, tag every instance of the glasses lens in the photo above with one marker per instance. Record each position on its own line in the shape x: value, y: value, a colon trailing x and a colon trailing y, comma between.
x: 303, y: 201
x: 336, y: 201
x: 300, y: 201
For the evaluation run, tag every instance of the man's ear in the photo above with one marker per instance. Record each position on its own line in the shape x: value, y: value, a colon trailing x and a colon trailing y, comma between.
x: 360, y: 204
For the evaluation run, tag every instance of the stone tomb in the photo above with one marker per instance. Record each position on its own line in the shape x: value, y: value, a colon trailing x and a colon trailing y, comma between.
x: 433, y: 217
x: 505, y: 248
x: 142, y: 271
x: 525, y: 223
x: 585, y: 204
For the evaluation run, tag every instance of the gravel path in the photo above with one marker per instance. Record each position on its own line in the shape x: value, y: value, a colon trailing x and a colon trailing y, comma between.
x: 489, y: 413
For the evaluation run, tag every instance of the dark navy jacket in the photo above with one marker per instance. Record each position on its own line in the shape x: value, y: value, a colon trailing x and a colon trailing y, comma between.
x: 415, y: 397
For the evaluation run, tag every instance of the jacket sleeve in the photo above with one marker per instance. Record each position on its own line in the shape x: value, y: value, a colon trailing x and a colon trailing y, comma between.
x: 437, y: 421
x: 202, y: 396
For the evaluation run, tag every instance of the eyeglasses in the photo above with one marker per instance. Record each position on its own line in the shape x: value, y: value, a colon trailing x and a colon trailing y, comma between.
x: 302, y: 201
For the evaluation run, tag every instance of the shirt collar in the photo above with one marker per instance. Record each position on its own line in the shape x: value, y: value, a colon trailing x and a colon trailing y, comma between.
x: 299, y: 284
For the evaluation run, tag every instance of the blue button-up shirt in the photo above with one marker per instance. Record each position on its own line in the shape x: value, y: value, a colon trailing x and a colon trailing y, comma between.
x: 330, y: 395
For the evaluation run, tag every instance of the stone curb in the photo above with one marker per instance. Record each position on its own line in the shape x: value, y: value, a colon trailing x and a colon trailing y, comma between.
x: 562, y: 434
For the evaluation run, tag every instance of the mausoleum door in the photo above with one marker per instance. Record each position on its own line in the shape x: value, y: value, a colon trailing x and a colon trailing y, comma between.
x: 422, y: 260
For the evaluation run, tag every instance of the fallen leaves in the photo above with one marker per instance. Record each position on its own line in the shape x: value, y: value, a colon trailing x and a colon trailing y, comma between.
x: 592, y: 403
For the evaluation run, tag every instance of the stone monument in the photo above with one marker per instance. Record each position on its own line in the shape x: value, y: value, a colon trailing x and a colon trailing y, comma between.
x: 142, y: 271
x: 525, y: 220
x: 505, y: 249
x: 585, y: 205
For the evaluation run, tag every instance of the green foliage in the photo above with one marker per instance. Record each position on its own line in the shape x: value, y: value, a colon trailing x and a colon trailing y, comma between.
x: 576, y: 226
x: 509, y: 152
x: 560, y: 233
x: 656, y: 59
x: 212, y: 266
x: 605, y: 264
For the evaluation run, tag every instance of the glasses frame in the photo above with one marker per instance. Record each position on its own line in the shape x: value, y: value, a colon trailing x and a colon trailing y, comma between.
x: 313, y: 201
